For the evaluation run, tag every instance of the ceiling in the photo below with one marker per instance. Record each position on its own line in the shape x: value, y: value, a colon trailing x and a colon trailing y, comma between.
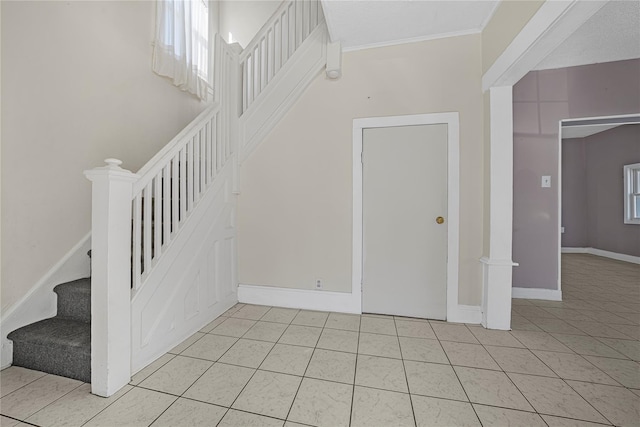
x: 366, y: 23
x: 612, y: 34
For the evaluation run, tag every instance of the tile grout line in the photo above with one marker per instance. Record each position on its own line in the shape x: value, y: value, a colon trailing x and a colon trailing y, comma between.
x: 514, y: 384
x: 26, y: 384
x: 458, y: 377
x: 252, y: 375
x: 105, y: 408
x: 52, y: 402
x: 245, y: 385
x: 305, y: 369
x: 587, y: 402
x: 355, y: 371
x: 522, y: 393
x: 177, y: 397
x: 404, y: 369
x: 396, y: 335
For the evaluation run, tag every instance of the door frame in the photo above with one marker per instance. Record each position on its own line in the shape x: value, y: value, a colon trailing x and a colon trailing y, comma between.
x: 453, y: 195
x: 618, y: 119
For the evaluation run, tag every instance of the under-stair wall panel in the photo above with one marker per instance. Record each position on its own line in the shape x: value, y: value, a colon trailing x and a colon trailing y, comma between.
x: 197, y: 286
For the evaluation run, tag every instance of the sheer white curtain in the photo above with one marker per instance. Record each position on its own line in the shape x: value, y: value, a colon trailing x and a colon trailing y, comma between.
x: 181, y: 49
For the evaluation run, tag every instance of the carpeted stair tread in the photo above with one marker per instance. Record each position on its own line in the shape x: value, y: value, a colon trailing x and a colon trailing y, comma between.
x: 74, y: 300
x: 80, y: 285
x: 57, y: 332
x: 57, y: 346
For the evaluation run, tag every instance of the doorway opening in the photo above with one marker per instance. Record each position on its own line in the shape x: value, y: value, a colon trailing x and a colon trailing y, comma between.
x: 591, y: 199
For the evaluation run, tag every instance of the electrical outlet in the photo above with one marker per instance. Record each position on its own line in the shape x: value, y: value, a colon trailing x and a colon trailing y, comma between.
x: 318, y: 284
x: 546, y: 181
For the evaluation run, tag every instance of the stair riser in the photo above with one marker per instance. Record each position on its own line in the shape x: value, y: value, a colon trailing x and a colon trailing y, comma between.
x: 74, y: 300
x: 74, y: 305
x: 67, y: 362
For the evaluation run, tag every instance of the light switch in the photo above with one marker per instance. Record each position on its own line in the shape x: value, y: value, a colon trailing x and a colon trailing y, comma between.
x: 546, y: 181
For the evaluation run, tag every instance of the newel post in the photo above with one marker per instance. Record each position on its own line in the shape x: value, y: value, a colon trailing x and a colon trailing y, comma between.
x: 112, y: 189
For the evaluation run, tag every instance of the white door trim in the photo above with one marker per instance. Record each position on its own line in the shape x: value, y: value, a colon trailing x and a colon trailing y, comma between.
x: 453, y: 198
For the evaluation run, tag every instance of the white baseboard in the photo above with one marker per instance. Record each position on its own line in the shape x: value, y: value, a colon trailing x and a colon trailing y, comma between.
x: 537, y: 293
x: 574, y: 250
x: 341, y: 302
x: 466, y: 314
x: 599, y: 252
x: 306, y: 299
x: 40, y: 302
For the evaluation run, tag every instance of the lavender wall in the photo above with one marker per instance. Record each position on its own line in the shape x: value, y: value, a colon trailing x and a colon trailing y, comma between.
x: 606, y: 154
x: 541, y: 100
x: 574, y: 193
x: 592, y: 198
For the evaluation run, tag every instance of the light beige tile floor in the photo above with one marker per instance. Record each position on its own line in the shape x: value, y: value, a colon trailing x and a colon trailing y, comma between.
x: 569, y: 363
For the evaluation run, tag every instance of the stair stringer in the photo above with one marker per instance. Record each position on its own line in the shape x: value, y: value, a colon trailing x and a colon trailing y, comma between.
x: 199, y: 284
x: 283, y: 91
x: 40, y: 302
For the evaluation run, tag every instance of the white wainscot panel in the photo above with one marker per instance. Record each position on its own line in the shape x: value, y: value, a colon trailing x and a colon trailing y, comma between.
x: 182, y: 296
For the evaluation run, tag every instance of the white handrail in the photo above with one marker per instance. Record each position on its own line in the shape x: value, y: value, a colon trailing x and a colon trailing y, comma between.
x: 157, y: 162
x: 274, y: 44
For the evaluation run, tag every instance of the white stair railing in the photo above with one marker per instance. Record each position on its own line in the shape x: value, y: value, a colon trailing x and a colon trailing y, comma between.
x: 275, y: 43
x: 170, y: 187
x: 137, y: 217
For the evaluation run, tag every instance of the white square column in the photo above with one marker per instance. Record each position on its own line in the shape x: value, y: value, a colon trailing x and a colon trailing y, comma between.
x: 497, y: 266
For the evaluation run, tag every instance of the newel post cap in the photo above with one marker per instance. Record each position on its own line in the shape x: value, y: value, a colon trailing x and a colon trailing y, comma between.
x: 113, y: 170
x: 113, y: 163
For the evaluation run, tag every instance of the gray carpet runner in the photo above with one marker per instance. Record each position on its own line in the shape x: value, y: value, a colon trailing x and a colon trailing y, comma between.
x: 60, y: 345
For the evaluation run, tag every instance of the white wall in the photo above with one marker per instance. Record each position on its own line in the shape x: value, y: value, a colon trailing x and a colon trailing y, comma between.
x: 294, y: 214
x: 77, y: 87
x: 244, y: 18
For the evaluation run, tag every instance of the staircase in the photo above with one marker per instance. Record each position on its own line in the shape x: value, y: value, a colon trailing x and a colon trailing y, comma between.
x: 60, y: 345
x: 164, y: 239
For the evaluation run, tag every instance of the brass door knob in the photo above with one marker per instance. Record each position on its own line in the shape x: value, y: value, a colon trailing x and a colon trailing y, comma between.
x: 440, y: 220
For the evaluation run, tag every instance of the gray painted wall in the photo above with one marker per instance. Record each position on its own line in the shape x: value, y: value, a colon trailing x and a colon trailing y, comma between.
x: 574, y: 193
x: 592, y: 197
x: 606, y: 154
x: 541, y: 100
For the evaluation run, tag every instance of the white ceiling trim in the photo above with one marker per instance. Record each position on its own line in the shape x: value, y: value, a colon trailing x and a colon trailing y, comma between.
x: 616, y: 119
x: 572, y: 132
x: 410, y: 40
x: 583, y: 127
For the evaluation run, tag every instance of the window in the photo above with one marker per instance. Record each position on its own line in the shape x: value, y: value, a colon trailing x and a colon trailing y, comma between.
x: 181, y: 48
x: 632, y: 194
